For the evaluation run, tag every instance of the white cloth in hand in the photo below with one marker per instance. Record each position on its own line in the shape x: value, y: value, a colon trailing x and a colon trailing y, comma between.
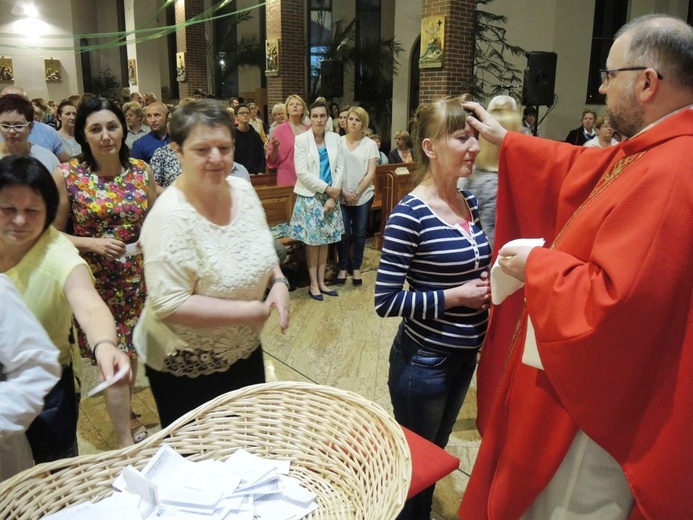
x: 502, y: 284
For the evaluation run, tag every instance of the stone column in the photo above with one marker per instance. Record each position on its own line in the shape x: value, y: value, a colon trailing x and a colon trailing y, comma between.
x: 458, y: 63
x: 286, y: 21
x: 191, y: 40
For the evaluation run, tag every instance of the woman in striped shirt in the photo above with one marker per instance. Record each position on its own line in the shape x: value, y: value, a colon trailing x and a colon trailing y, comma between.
x: 433, y: 241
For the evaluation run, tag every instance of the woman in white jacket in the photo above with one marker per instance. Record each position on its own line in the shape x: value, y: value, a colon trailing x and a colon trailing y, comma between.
x: 317, y: 218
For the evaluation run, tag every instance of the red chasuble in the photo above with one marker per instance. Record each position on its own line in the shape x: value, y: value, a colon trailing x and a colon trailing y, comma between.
x: 610, y: 302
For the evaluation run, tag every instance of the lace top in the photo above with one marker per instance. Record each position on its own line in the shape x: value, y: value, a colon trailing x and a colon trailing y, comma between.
x: 187, y: 254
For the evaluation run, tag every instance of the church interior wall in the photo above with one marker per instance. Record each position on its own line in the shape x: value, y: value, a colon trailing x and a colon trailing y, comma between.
x: 561, y: 26
x: 407, y: 20
x: 28, y: 63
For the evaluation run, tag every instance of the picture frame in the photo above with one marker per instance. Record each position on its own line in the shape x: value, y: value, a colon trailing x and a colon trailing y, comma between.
x: 272, y: 57
x: 6, y: 70
x: 132, y: 72
x: 181, y: 71
x: 52, y: 70
x: 432, y: 42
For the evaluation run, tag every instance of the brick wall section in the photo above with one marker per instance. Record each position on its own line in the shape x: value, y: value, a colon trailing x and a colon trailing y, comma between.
x: 286, y: 20
x: 191, y: 40
x: 458, y: 64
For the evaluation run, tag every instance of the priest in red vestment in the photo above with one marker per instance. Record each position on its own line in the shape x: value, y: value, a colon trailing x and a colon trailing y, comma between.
x: 603, y: 430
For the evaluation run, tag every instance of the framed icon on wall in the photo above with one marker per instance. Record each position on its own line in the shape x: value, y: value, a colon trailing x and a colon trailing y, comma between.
x: 6, y: 70
x: 53, y: 72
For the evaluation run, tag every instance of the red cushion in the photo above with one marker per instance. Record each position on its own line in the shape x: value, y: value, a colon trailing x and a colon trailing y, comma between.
x: 429, y: 462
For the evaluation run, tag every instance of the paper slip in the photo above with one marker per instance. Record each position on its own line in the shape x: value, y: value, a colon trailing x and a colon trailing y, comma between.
x: 116, y: 507
x: 105, y: 384
x: 171, y: 487
x: 254, y: 470
x: 212, y: 474
x: 133, y: 249
x: 502, y: 284
x: 68, y: 514
x: 295, y: 492
x: 144, y: 489
x: 264, y: 488
x: 274, y: 507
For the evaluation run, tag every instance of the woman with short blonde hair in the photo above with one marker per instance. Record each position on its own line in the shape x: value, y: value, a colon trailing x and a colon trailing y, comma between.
x: 360, y: 157
x: 280, y: 148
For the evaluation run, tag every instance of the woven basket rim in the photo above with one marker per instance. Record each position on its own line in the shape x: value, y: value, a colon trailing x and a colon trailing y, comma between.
x: 334, y: 448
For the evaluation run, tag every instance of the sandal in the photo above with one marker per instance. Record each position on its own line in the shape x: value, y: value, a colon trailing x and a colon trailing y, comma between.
x: 139, y: 431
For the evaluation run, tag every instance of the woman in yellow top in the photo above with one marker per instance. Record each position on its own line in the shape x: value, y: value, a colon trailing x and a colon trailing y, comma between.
x: 55, y: 282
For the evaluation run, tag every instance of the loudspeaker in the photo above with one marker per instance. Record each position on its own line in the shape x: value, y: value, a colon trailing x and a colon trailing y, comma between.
x: 540, y: 79
x: 331, y: 78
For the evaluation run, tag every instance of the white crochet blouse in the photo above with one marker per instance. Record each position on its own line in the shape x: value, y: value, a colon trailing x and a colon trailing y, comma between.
x: 185, y: 254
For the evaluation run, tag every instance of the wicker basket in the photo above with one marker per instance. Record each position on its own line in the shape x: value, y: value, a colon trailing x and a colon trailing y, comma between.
x: 342, y: 447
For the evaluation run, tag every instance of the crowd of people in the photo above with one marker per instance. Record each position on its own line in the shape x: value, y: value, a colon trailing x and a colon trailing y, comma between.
x: 132, y: 234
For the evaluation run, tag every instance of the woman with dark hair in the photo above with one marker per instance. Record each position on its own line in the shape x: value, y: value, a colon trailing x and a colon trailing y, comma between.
x: 66, y: 115
x: 433, y: 241
x: 106, y: 196
x: 55, y: 283
x: 317, y: 217
x: 342, y: 121
x: 209, y: 257
x: 334, y: 113
x: 16, y: 122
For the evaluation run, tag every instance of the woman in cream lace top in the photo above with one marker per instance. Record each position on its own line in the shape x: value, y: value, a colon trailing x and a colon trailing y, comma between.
x: 208, y: 260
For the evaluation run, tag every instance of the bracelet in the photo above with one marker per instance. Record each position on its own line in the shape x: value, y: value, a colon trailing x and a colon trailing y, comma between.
x: 283, y: 280
x: 93, y: 350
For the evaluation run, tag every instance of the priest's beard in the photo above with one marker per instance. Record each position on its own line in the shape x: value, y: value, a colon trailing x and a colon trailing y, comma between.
x: 625, y: 115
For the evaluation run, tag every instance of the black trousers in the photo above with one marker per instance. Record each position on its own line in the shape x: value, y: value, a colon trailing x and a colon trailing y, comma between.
x: 53, y: 434
x: 177, y: 395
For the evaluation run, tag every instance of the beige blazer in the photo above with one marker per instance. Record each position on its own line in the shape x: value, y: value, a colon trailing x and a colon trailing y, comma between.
x: 307, y: 163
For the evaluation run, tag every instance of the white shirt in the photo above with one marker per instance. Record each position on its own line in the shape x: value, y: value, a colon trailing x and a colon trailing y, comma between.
x: 594, y: 143
x: 29, y: 369
x: 356, y: 163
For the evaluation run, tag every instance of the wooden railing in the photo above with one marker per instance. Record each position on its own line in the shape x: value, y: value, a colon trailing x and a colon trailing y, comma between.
x: 390, y: 188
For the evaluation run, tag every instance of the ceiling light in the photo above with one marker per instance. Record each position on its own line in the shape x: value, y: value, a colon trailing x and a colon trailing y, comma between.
x: 25, y: 8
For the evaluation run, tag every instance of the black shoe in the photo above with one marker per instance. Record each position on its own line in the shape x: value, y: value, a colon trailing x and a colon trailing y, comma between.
x: 329, y: 293
x: 340, y: 281
x: 358, y: 282
x: 317, y: 297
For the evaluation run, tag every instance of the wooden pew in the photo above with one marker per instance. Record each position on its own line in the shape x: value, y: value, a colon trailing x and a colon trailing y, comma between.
x: 268, y: 179
x: 278, y: 203
x: 392, y: 188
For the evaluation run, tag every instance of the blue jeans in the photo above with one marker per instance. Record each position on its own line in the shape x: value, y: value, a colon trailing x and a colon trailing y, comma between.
x: 355, y: 230
x: 427, y: 390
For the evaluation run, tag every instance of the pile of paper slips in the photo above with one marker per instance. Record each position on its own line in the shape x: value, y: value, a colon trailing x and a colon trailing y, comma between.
x: 243, y: 487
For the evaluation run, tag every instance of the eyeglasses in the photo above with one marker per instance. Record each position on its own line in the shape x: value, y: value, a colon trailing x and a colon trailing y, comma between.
x: 5, y: 127
x: 605, y: 74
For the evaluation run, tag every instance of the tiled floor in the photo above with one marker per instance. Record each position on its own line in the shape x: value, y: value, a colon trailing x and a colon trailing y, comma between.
x: 339, y: 342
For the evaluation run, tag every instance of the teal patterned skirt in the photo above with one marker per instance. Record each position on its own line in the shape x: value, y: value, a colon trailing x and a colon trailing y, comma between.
x: 312, y: 225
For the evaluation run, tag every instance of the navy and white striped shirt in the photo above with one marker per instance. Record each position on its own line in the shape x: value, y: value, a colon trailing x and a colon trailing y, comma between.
x: 431, y: 255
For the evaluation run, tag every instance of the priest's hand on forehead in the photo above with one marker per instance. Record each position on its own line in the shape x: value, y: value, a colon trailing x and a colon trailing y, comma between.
x: 485, y: 123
